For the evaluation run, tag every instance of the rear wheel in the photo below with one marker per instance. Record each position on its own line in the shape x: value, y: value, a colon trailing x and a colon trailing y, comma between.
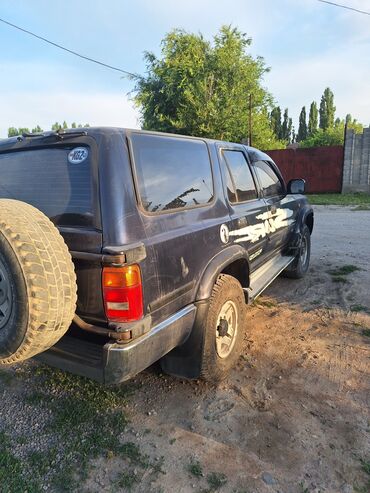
x: 224, y: 328
x: 37, y: 282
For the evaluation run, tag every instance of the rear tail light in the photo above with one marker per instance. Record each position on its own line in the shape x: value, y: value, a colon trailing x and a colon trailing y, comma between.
x: 123, y: 293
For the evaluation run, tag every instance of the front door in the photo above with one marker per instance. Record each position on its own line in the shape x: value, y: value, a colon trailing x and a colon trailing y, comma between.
x: 281, y: 214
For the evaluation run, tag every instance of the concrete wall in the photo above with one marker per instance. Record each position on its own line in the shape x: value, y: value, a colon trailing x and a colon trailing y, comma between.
x: 356, y: 168
x: 321, y: 167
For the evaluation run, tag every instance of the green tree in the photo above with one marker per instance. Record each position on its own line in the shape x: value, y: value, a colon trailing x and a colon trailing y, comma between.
x: 313, y: 119
x: 197, y: 87
x: 327, y: 110
x: 13, y: 131
x: 275, y: 121
x: 331, y: 136
x: 286, y: 128
x: 302, y: 129
x: 37, y: 129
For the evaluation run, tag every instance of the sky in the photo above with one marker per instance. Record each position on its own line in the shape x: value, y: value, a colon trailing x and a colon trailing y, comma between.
x: 307, y: 44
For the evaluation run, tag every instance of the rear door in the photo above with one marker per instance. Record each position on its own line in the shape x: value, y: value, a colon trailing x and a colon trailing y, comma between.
x: 181, y: 215
x: 245, y: 204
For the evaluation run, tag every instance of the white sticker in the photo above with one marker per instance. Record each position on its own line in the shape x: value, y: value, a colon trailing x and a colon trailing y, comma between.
x: 78, y: 155
x: 224, y: 233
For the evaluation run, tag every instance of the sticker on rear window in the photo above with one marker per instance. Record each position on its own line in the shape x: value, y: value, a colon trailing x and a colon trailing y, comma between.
x: 77, y: 155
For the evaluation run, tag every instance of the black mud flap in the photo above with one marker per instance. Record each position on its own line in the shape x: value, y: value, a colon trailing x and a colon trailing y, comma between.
x: 185, y: 360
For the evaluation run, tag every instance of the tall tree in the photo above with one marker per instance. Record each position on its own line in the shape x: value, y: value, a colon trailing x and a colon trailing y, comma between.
x: 286, y: 128
x: 197, y: 87
x: 37, y: 129
x: 275, y: 120
x: 13, y: 131
x: 327, y: 110
x: 302, y: 129
x: 313, y: 119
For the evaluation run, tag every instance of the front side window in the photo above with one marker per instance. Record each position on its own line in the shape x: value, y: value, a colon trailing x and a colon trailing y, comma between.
x: 239, y: 179
x: 172, y: 173
x: 269, y: 180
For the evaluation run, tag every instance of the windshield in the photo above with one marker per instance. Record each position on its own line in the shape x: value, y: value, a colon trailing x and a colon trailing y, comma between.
x: 55, y: 180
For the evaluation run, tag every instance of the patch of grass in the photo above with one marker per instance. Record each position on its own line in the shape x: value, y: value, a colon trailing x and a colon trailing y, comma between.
x: 344, y: 270
x: 131, y: 451
x: 338, y: 274
x: 365, y: 332
x: 195, y: 469
x: 365, y: 466
x: 357, y: 307
x: 339, y: 279
x: 11, y: 471
x: 355, y: 199
x: 266, y: 303
x: 303, y: 488
x: 172, y: 441
x: 216, y: 480
x: 126, y: 480
x: 86, y: 421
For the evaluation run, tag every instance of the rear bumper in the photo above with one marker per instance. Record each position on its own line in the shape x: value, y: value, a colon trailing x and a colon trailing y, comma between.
x: 115, y: 363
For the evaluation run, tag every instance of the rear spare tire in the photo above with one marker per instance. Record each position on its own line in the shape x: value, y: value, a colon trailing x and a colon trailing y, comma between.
x: 37, y: 282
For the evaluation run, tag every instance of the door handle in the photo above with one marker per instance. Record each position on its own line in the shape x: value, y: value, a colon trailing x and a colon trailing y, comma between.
x: 242, y: 222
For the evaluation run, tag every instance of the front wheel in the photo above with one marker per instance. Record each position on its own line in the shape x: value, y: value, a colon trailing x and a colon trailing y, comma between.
x: 224, y: 328
x: 299, y: 267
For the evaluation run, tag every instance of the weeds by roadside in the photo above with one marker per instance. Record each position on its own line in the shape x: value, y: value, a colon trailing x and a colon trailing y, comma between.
x: 339, y: 273
x: 86, y: 421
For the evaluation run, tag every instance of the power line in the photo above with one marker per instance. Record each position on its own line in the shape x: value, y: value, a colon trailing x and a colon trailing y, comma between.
x: 126, y: 72
x: 345, y: 7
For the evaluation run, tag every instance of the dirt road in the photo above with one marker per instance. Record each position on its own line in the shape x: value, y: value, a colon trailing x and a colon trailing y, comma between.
x: 294, y: 417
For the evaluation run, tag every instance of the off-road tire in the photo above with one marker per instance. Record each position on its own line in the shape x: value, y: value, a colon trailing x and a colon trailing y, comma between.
x: 214, y: 369
x: 298, y: 269
x: 40, y: 278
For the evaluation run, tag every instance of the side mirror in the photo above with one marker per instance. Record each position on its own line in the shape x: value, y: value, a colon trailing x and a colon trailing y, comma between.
x: 296, y: 186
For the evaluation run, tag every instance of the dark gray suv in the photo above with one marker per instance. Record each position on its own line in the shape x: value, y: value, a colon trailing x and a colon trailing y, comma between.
x: 120, y: 247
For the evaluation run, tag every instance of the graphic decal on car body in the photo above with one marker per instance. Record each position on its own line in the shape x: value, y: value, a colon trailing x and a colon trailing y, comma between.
x: 270, y: 222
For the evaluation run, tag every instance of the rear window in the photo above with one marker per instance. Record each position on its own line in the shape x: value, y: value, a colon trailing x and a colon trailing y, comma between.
x: 172, y: 173
x: 55, y: 180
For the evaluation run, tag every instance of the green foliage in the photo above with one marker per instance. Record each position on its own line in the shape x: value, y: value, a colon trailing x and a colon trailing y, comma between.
x: 275, y: 121
x: 201, y: 88
x: 12, y: 479
x: 313, y: 119
x: 359, y: 199
x: 331, y: 136
x: 13, y: 131
x: 302, y: 129
x: 195, y: 469
x: 327, y: 110
x: 286, y: 128
x: 216, y: 480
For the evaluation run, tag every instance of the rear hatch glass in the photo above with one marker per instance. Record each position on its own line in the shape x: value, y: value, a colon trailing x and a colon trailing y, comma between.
x: 56, y: 180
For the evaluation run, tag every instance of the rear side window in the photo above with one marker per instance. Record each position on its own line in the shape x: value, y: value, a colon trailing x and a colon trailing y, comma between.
x: 172, y: 173
x: 239, y: 179
x: 269, y: 180
x: 46, y: 179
